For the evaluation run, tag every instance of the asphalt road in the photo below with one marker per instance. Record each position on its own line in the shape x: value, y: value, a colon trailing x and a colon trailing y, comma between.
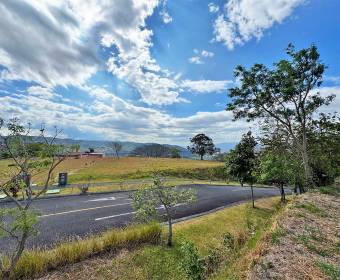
x: 67, y: 218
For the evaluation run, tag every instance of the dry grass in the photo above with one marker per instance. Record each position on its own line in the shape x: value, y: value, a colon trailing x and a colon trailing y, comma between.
x: 309, y: 245
x: 108, y: 169
x: 35, y: 263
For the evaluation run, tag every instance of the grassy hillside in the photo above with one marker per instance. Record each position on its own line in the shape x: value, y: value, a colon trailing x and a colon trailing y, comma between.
x: 108, y: 169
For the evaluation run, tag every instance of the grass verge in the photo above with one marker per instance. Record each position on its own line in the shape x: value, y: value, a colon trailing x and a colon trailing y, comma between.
x: 208, y: 234
x: 35, y: 263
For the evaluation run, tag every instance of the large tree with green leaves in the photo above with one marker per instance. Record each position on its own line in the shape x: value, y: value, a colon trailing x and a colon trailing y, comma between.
x: 286, y: 93
x: 201, y: 145
x: 150, y: 200
x: 241, y: 162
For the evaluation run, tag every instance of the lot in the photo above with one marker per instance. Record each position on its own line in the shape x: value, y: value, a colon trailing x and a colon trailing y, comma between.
x: 110, y: 169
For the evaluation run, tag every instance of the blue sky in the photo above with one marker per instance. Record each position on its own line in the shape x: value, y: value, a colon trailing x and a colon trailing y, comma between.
x: 149, y: 70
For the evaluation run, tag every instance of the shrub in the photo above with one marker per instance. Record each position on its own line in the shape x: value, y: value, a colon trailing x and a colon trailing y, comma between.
x: 191, y: 263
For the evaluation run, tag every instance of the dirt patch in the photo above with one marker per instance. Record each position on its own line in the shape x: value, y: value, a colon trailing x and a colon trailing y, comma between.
x: 305, y: 243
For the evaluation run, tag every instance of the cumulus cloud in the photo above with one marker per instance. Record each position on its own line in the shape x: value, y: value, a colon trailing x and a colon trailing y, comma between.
x: 213, y: 8
x: 243, y: 20
x: 206, y: 86
x: 110, y: 117
x: 40, y: 42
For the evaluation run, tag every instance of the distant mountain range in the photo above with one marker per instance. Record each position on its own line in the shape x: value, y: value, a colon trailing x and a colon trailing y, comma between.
x: 102, y: 146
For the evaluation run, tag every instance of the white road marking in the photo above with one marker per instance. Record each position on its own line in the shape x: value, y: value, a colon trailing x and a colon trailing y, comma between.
x: 114, y: 216
x: 101, y: 199
x: 82, y: 210
x: 130, y: 213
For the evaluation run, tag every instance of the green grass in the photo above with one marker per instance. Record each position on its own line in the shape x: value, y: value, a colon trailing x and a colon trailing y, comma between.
x: 332, y: 271
x: 276, y: 235
x: 311, y: 208
x: 35, y: 263
x: 330, y: 190
x: 206, y: 233
x: 308, y: 242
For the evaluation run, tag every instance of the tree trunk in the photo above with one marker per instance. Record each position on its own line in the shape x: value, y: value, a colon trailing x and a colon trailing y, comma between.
x: 170, y: 232
x: 305, y: 160
x: 282, y: 191
x: 241, y: 182
x: 252, y: 195
x: 201, y: 157
x: 20, y: 248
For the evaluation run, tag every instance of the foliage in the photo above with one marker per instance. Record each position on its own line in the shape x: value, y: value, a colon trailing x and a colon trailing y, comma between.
x: 284, y: 94
x: 148, y: 201
x: 324, y: 148
x: 152, y: 150
x: 201, y: 145
x: 241, y: 162
x: 175, y: 153
x: 191, y: 263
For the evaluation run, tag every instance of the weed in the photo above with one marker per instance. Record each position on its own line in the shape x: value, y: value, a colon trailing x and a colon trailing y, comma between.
x: 276, y: 235
x: 330, y: 190
x: 311, y: 208
x: 330, y: 270
x: 306, y: 240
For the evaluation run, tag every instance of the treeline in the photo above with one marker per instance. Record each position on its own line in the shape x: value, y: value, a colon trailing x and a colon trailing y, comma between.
x: 156, y: 150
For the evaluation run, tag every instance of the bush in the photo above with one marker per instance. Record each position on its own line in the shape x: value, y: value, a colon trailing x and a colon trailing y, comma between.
x: 191, y: 263
x: 84, y: 189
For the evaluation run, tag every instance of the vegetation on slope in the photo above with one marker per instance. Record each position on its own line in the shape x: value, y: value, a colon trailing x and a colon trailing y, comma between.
x: 208, y: 234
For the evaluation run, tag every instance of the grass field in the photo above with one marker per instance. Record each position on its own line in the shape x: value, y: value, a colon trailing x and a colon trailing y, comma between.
x: 246, y: 224
x: 109, y: 169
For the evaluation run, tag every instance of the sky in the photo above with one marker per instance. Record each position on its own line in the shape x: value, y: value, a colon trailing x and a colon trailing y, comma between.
x: 149, y: 70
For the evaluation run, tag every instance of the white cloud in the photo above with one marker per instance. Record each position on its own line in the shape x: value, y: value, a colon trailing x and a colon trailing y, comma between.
x: 213, y: 8
x: 42, y: 92
x: 335, y: 105
x: 166, y: 17
x: 205, y: 86
x: 199, y: 56
x: 110, y: 117
x: 243, y: 20
x: 205, y: 53
x: 333, y: 79
x: 35, y: 46
x: 195, y: 60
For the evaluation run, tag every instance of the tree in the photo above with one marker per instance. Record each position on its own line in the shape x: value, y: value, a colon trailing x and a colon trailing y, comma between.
x: 175, y: 153
x: 278, y: 169
x: 17, y: 223
x: 280, y: 163
x: 116, y: 148
x: 324, y: 148
x: 147, y: 201
x: 287, y: 93
x: 152, y: 150
x: 241, y: 162
x: 201, y: 145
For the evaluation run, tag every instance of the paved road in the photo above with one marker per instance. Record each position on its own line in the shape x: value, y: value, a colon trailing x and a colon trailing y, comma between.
x: 70, y: 217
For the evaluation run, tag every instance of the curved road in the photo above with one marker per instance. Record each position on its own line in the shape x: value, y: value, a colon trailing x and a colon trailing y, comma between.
x: 70, y: 217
